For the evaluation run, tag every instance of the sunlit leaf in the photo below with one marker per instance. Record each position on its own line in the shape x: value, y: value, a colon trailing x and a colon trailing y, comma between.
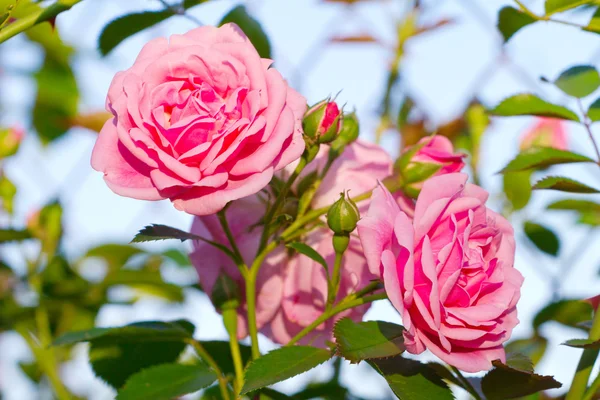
x: 530, y: 104
x: 564, y: 184
x: 565, y: 312
x: 541, y: 157
x: 579, y: 81
x: 511, y: 20
x: 517, y: 188
x: 128, y: 25
x: 556, y: 6
x: 533, y: 347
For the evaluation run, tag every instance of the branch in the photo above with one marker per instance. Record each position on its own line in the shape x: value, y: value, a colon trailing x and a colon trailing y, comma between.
x: 42, y: 15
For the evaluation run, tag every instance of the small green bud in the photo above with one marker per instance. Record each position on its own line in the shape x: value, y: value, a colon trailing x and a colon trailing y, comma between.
x: 322, y: 123
x: 10, y: 139
x: 226, y: 293
x: 343, y: 215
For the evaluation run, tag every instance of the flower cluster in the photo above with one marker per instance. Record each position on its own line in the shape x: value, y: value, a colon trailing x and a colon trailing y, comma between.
x: 202, y: 120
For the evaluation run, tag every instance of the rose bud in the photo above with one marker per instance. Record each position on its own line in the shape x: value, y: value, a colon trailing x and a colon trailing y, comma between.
x: 226, y: 293
x: 348, y: 134
x: 546, y: 132
x: 323, y: 122
x: 10, y: 139
x: 343, y: 216
x: 431, y: 156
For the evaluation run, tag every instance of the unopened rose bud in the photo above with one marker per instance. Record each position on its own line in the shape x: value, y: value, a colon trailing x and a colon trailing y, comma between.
x: 348, y: 133
x: 343, y: 216
x: 226, y: 293
x: 323, y: 122
x: 10, y: 139
x: 431, y: 156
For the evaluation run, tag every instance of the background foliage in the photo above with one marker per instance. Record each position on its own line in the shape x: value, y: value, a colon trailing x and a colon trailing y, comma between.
x: 406, y: 69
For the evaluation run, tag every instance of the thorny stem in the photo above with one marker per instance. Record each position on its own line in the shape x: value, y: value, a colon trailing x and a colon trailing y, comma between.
x: 37, y: 17
x: 239, y: 260
x: 588, y: 128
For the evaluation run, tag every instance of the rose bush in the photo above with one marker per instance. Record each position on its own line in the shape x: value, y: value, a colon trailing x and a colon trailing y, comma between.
x: 292, y: 291
x: 199, y: 119
x: 449, y: 271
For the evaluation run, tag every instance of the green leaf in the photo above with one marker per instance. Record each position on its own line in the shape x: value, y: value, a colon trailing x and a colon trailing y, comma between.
x: 251, y: 27
x: 533, y: 347
x: 412, y: 380
x: 564, y: 185
x: 14, y: 235
x: 369, y: 339
x: 579, y: 81
x: 565, y: 312
x: 166, y: 382
x: 543, y: 238
x: 594, y: 24
x: 575, y: 205
x: 56, y: 101
x: 221, y: 353
x: 583, y: 344
x: 115, y: 255
x: 148, y: 281
x: 511, y: 20
x: 128, y: 25
x: 556, y: 6
x: 146, y: 331
x: 163, y: 232
x: 519, y: 362
x: 281, y: 364
x: 593, y: 111
x: 178, y: 257
x: 517, y: 188
x: 308, y: 252
x: 541, y: 157
x: 530, y: 104
x: 505, y: 382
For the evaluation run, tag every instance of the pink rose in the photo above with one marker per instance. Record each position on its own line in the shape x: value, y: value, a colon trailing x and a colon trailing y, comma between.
x: 199, y: 119
x: 449, y: 271
x: 291, y: 292
x: 546, y: 132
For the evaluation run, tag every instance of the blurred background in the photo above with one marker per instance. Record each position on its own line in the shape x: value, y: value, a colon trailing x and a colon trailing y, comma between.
x: 406, y: 70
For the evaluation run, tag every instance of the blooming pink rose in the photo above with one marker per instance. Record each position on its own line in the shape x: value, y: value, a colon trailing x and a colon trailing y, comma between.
x: 199, y: 119
x: 546, y: 132
x: 449, y: 271
x: 439, y: 150
x: 291, y: 292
